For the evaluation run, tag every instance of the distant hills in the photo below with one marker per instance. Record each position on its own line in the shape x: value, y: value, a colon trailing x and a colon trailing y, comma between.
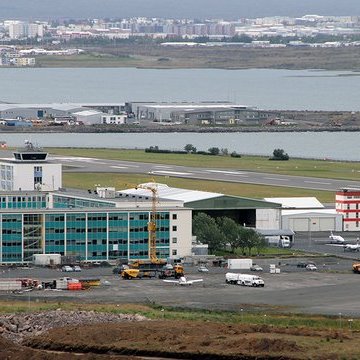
x: 227, y: 9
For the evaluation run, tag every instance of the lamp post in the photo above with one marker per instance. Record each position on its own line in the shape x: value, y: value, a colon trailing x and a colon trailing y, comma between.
x: 340, y: 324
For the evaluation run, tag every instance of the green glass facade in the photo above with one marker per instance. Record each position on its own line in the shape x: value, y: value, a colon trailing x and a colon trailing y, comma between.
x: 97, y: 236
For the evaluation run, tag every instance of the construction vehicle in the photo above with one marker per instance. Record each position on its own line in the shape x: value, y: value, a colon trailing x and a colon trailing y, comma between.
x: 130, y: 274
x: 146, y: 268
x: 356, y: 268
x: 169, y: 271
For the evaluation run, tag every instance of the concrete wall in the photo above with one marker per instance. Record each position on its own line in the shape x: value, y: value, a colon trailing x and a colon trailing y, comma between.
x: 182, y: 234
x: 24, y: 176
x: 268, y: 219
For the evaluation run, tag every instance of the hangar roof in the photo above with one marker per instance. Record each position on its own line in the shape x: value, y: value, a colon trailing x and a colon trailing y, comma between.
x: 166, y: 192
x: 201, y: 199
x: 298, y: 202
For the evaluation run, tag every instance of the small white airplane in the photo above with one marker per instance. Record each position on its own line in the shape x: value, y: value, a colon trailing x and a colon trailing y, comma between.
x: 336, y: 239
x: 352, y: 247
x: 183, y: 281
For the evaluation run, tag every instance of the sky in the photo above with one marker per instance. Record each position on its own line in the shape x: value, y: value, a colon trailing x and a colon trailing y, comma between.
x: 202, y: 9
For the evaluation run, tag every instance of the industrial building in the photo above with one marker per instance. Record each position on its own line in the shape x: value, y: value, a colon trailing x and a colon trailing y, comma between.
x: 88, y: 114
x: 307, y: 214
x: 347, y: 203
x: 253, y: 213
x: 200, y: 113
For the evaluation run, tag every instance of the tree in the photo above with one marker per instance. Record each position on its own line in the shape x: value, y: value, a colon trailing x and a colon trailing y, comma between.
x: 248, y: 239
x: 279, y: 154
x: 224, y: 152
x: 207, y: 231
x: 214, y: 151
x: 190, y: 148
x: 230, y: 231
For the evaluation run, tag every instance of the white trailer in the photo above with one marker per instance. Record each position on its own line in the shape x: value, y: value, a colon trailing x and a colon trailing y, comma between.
x: 244, y: 280
x: 46, y: 259
x: 10, y: 285
x: 240, y: 264
x: 282, y: 241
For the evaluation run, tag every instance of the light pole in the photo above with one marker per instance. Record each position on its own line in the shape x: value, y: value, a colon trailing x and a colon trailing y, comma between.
x: 340, y: 324
x: 241, y: 312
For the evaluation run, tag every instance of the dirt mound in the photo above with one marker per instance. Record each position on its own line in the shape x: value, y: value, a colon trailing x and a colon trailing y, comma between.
x: 175, y: 339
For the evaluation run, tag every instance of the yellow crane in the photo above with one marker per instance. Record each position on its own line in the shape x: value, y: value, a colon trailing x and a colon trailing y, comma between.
x: 144, y: 268
x: 152, y: 221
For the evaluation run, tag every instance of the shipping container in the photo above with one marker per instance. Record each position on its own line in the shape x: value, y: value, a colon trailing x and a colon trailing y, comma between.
x: 9, y: 285
x: 240, y: 264
x: 46, y: 259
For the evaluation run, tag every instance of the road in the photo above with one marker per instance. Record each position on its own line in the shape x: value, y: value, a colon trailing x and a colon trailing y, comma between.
x: 333, y: 289
x: 82, y: 164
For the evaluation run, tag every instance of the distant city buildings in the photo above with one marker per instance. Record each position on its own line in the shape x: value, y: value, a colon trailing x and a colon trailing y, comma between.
x: 21, y: 41
x: 158, y: 28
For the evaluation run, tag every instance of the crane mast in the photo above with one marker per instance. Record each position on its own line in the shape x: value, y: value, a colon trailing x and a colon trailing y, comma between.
x: 152, y: 222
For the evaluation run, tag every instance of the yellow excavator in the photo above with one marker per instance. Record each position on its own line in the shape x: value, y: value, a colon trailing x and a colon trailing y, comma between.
x: 147, y: 268
x: 356, y: 268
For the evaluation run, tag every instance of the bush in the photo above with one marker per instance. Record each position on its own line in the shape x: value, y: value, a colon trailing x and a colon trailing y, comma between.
x: 234, y: 154
x: 279, y: 154
x: 214, y: 151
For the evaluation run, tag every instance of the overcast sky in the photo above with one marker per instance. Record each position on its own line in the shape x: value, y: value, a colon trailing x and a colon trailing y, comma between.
x: 227, y: 9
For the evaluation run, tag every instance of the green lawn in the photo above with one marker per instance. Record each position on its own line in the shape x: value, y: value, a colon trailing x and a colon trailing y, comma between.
x: 298, y: 167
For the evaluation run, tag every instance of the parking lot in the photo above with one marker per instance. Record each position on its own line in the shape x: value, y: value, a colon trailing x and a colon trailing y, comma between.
x: 332, y: 289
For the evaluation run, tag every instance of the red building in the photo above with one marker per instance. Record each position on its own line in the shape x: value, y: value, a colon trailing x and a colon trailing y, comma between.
x: 348, y: 204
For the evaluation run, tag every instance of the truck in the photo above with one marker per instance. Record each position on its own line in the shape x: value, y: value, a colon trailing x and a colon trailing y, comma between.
x: 171, y: 271
x: 129, y: 274
x: 356, y: 268
x: 239, y: 264
x: 281, y: 241
x: 244, y: 280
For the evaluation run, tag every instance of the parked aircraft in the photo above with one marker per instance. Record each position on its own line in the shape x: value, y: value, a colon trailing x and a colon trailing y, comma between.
x: 352, y: 247
x: 183, y: 281
x: 336, y: 239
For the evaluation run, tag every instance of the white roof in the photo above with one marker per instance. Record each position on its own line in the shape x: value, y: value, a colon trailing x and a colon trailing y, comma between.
x: 310, y: 213
x: 170, y: 193
x: 298, y: 202
x: 87, y: 112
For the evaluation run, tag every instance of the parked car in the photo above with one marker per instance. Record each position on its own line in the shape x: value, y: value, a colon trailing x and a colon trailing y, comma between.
x: 77, y: 268
x: 203, y: 269
x: 304, y: 264
x: 256, y: 268
x: 311, y: 267
x: 67, y: 268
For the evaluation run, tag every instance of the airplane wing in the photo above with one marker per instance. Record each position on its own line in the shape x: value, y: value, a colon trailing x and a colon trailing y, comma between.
x: 171, y: 281
x: 194, y: 281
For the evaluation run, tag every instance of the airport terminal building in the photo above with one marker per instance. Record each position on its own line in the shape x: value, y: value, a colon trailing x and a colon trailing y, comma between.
x: 37, y: 218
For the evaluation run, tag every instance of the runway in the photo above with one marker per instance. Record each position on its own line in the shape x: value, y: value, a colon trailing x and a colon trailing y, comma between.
x: 83, y: 164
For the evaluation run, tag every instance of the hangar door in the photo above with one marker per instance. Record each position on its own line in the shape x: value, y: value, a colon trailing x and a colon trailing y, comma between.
x: 312, y: 224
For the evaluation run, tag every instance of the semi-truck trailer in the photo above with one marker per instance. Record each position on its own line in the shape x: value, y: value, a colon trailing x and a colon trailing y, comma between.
x: 244, y: 280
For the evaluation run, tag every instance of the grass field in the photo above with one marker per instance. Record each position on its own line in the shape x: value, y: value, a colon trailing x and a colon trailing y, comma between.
x: 154, y: 311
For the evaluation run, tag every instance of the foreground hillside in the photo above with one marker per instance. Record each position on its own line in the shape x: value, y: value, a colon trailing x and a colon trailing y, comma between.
x: 133, y: 337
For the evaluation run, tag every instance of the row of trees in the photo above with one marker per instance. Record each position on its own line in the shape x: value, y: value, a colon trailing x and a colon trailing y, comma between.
x: 224, y: 232
x: 191, y: 149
